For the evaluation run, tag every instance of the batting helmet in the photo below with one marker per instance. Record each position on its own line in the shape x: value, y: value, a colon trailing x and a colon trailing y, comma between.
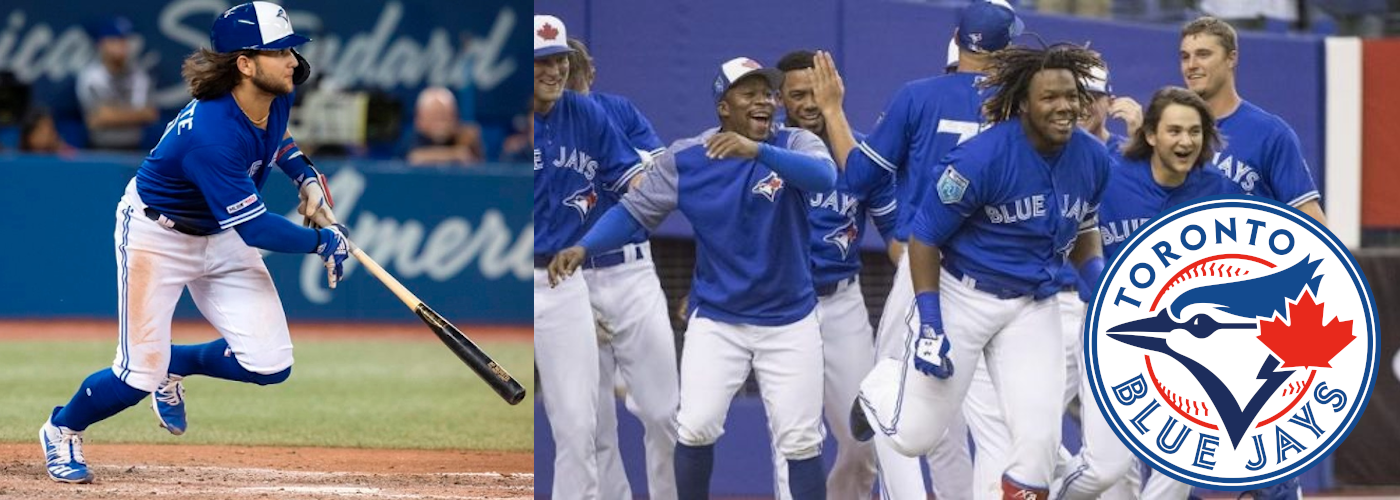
x: 258, y: 26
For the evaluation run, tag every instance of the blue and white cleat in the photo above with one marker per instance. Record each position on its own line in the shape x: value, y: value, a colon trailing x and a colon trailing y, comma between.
x: 63, y: 452
x: 169, y: 403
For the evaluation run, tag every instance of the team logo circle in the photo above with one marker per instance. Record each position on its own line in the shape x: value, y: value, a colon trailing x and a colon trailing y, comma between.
x: 1232, y: 344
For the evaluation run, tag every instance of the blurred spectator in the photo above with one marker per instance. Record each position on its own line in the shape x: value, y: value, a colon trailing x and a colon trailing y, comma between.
x: 1251, y: 14
x: 439, y: 136
x: 114, y: 94
x: 38, y: 134
x: 1362, y: 18
x: 1084, y: 8
x: 519, y: 145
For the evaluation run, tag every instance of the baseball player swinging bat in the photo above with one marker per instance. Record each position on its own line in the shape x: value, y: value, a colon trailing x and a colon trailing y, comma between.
x: 466, y: 350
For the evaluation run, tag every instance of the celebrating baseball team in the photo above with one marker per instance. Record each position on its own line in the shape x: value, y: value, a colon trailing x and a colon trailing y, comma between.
x: 1000, y: 194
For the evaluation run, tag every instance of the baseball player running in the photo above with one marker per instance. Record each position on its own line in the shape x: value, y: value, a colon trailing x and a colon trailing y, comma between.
x: 924, y: 121
x: 1261, y: 154
x: 982, y: 407
x: 1013, y: 203
x: 631, y: 313
x: 578, y: 155
x: 173, y: 231
x: 1162, y: 167
x: 744, y: 188
x: 811, y: 95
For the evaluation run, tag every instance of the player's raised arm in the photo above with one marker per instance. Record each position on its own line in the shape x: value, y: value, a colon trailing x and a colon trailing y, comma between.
x: 830, y: 92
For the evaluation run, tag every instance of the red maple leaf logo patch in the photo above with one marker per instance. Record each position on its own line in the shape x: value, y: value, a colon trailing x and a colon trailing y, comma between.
x: 1304, y: 340
x: 547, y: 32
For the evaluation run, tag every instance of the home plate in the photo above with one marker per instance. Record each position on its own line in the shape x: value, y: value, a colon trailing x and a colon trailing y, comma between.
x: 329, y: 490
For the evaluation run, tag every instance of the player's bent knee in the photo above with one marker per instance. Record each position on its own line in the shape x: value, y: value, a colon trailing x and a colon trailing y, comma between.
x: 692, y: 437
x: 271, y: 378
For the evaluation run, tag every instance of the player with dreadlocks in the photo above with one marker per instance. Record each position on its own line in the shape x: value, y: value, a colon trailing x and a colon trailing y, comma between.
x: 1014, y: 205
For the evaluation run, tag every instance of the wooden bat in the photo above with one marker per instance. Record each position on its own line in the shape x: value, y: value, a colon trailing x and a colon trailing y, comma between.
x: 463, y: 347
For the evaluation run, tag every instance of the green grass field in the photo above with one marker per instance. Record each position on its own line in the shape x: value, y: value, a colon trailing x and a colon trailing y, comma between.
x: 362, y: 394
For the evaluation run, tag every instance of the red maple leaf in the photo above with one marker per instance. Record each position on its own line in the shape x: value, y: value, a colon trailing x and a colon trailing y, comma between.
x: 1304, y: 340
x: 547, y: 32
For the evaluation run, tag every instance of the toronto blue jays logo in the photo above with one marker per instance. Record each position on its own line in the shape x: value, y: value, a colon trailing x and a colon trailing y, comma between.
x: 769, y: 186
x: 583, y: 200
x: 844, y: 237
x: 1232, y: 344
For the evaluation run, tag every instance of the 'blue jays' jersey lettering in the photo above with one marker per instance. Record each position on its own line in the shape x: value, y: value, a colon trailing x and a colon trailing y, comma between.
x: 636, y: 129
x: 579, y: 155
x: 838, y: 220
x: 1004, y: 216
x: 924, y: 121
x: 211, y: 162
x: 752, y: 236
x: 1133, y: 198
x: 1262, y: 155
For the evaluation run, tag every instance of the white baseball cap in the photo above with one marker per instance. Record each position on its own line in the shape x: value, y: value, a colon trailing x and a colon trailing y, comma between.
x: 1098, y: 81
x: 740, y: 67
x: 550, y: 37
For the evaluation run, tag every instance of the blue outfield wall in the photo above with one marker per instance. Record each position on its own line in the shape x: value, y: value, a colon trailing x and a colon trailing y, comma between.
x: 462, y: 240
x: 664, y: 55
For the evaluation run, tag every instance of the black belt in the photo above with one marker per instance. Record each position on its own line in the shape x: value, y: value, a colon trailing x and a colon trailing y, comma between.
x: 606, y: 260
x: 1000, y: 292
x: 175, y: 224
x: 826, y: 289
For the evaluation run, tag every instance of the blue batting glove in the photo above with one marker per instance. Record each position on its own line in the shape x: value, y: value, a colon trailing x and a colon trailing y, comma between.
x: 333, y: 249
x: 1089, y: 275
x: 931, y: 350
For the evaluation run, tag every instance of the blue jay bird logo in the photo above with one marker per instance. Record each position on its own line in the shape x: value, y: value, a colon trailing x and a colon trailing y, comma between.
x: 769, y: 186
x: 583, y: 200
x: 1232, y: 343
x: 844, y: 237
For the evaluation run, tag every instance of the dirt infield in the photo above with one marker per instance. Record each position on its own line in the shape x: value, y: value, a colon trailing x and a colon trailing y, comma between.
x: 130, y: 472
x: 200, y: 329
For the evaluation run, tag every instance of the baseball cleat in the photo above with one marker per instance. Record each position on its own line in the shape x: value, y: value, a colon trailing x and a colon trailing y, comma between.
x: 169, y: 404
x: 63, y: 453
x: 860, y: 426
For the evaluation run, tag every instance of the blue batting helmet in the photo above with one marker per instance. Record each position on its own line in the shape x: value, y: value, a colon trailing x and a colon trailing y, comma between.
x: 256, y: 26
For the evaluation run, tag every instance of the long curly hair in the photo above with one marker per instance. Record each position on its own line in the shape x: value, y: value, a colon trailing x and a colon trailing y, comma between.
x: 211, y: 74
x: 1011, y: 69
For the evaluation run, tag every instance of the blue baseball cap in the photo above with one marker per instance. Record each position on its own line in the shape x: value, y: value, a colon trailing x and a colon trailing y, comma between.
x: 255, y: 26
x: 988, y: 26
x: 739, y: 68
x: 116, y: 27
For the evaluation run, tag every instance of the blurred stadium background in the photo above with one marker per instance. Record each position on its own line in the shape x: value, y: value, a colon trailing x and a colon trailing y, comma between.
x: 416, y: 112
x: 1324, y: 66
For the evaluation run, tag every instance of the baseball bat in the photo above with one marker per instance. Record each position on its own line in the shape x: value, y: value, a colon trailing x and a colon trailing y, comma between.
x: 466, y: 350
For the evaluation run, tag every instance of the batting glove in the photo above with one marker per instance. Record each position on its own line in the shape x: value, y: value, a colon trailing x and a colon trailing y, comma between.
x: 931, y: 350
x: 333, y: 248
x: 316, y: 203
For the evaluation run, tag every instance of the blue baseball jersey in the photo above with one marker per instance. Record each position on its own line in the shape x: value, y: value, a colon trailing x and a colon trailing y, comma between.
x: 1262, y: 155
x: 211, y: 162
x: 753, y: 252
x: 1134, y: 197
x: 579, y: 154
x: 838, y: 222
x: 1115, y: 145
x: 922, y: 123
x: 1006, y: 216
x: 640, y: 136
x: 630, y: 121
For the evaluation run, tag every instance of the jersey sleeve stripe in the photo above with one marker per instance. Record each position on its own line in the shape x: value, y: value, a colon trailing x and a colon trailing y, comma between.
x: 627, y: 176
x: 885, y: 210
x: 879, y: 160
x: 234, y: 221
x: 1306, y: 197
x: 657, y: 152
